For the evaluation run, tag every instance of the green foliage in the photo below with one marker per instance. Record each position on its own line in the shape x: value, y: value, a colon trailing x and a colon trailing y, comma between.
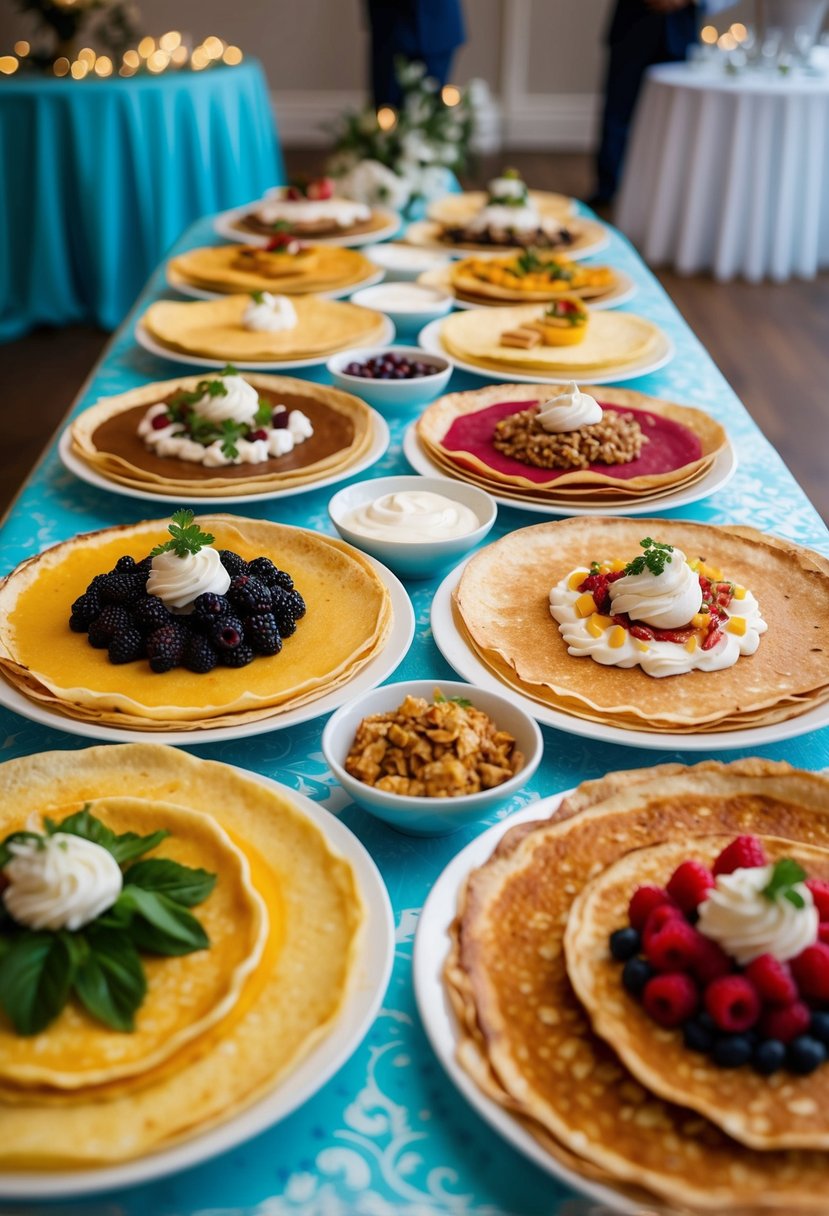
x: 185, y: 536
x: 784, y: 877
x: 655, y: 557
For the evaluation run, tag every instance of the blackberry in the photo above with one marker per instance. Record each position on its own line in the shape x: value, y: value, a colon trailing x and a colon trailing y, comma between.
x: 232, y: 562
x: 262, y: 634
x: 145, y: 565
x: 269, y: 574
x: 84, y: 610
x: 240, y: 657
x: 126, y: 646
x: 110, y: 620
x: 165, y: 647
x: 199, y: 655
x: 287, y: 607
x: 225, y: 633
x: 149, y: 614
x: 209, y: 606
x: 248, y: 595
x: 125, y: 563
x: 121, y: 588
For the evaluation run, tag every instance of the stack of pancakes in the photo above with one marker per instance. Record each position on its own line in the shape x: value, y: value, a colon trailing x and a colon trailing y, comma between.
x: 548, y: 1032
x: 218, y: 1028
x: 456, y: 433
x: 501, y: 609
x: 225, y: 269
x: 346, y: 624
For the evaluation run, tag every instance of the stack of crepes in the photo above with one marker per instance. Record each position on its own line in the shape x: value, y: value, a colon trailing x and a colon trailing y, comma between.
x: 501, y: 609
x: 456, y: 432
x: 106, y: 438
x: 218, y: 1028
x: 225, y: 269
x: 213, y: 329
x: 493, y: 281
x: 548, y: 1032
x: 347, y: 620
x: 616, y: 340
x: 454, y: 210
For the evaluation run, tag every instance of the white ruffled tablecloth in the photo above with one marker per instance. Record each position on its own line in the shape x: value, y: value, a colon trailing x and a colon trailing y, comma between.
x: 730, y: 173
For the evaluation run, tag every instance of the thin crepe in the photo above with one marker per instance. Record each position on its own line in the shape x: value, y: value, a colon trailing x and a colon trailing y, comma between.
x: 223, y: 268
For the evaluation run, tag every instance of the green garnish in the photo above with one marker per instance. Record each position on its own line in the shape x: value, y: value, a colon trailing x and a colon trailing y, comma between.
x: 258, y: 297
x: 654, y: 558
x: 264, y: 414
x: 784, y: 876
x: 186, y: 537
x: 441, y: 699
x: 100, y: 963
x: 177, y: 407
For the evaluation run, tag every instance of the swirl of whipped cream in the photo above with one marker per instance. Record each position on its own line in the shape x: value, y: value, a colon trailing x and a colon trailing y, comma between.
x: 179, y: 581
x: 666, y: 601
x: 60, y: 882
x: 747, y: 924
x: 499, y: 215
x: 569, y: 411
x: 272, y: 314
x: 238, y: 404
x: 507, y: 187
x: 413, y: 516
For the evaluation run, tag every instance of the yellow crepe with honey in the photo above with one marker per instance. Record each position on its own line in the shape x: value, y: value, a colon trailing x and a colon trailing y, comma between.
x: 235, y: 268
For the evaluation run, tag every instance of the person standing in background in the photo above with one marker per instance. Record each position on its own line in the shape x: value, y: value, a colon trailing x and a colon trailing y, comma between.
x: 426, y: 30
x: 641, y: 33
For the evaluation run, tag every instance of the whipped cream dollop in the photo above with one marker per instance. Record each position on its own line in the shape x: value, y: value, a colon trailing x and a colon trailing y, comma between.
x: 412, y: 516
x: 568, y: 411
x: 179, y: 581
x: 239, y: 402
x: 524, y: 218
x: 507, y: 187
x: 173, y: 439
x: 60, y: 882
x: 270, y: 314
x: 747, y: 923
x: 341, y: 211
x: 666, y: 601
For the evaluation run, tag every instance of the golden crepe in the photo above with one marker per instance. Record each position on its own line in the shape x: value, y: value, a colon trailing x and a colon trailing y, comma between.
x: 792, y: 1112
x: 213, y: 329
x: 347, y: 620
x: 585, y: 235
x: 613, y: 339
x: 314, y: 911
x: 456, y: 209
x: 105, y: 437
x: 524, y: 1035
x: 502, y: 610
x: 234, y: 268
x: 491, y: 281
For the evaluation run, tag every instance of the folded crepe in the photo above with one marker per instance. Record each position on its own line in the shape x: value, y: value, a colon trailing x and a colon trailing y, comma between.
x: 238, y: 268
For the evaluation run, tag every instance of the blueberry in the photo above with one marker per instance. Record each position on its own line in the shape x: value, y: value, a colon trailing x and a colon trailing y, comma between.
x: 624, y: 943
x: 731, y: 1050
x: 704, y: 1018
x: 805, y: 1054
x: 635, y: 974
x: 769, y: 1056
x: 819, y: 1028
x: 697, y: 1037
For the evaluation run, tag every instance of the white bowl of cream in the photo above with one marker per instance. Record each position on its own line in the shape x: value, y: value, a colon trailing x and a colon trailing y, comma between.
x: 418, y: 526
x: 403, y: 263
x: 409, y: 306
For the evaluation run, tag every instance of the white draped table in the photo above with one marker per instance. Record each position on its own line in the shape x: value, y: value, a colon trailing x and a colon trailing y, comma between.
x: 729, y: 173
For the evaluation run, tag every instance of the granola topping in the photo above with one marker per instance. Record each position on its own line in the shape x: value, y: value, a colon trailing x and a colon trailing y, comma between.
x: 617, y: 439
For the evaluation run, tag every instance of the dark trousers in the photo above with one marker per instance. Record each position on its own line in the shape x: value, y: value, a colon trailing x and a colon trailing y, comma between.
x: 384, y: 87
x: 637, y: 39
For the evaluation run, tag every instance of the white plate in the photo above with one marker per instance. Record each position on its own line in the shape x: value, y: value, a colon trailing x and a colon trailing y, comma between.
x: 374, y: 673
x: 181, y: 285
x: 86, y: 473
x: 461, y: 659
x: 721, y: 472
x: 430, y: 949
x: 624, y: 291
x: 371, y: 978
x: 421, y: 233
x: 225, y: 220
x: 143, y: 338
x: 429, y: 339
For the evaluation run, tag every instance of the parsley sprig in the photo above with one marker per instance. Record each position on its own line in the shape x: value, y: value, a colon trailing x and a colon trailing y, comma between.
x: 784, y: 876
x: 655, y: 557
x: 462, y: 701
x: 186, y: 537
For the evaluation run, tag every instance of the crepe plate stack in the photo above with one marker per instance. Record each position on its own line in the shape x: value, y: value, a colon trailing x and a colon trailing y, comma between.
x: 547, y: 1031
x: 466, y: 283
x: 586, y: 235
x: 225, y: 269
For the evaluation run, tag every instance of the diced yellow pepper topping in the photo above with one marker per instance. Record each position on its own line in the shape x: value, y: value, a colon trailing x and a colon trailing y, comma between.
x: 701, y: 620
x: 617, y: 564
x: 617, y: 637
x: 691, y: 644
x: 585, y: 605
x: 598, y: 623
x: 694, y: 565
x: 576, y: 579
x: 710, y: 572
x: 640, y: 645
x: 739, y: 593
x: 737, y: 624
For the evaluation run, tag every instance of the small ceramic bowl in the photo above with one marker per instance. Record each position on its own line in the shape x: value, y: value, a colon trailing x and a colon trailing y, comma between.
x: 413, y: 558
x: 409, y: 306
x: 403, y: 263
x: 429, y: 816
x: 391, y: 395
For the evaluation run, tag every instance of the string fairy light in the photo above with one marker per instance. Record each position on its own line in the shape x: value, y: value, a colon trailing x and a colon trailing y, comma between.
x: 169, y: 52
x: 450, y: 94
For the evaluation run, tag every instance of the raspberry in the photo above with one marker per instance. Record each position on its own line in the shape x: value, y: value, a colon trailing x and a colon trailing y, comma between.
x: 149, y: 614
x: 165, y: 647
x: 262, y: 634
x: 772, y: 979
x: 111, y: 620
x: 84, y: 610
x: 674, y: 947
x: 811, y: 971
x: 232, y: 562
x: 240, y: 657
x: 733, y: 1003
x: 670, y: 999
x: 818, y: 886
x: 743, y: 853
x: 786, y: 1023
x: 642, y: 903
x: 126, y: 646
x: 657, y: 920
x: 711, y: 961
x: 210, y: 605
x: 225, y: 632
x: 689, y: 885
x: 248, y: 595
x: 822, y: 929
x: 199, y: 655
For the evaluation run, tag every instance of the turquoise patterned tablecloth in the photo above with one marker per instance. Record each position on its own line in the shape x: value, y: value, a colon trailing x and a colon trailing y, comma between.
x: 99, y: 177
x: 389, y: 1135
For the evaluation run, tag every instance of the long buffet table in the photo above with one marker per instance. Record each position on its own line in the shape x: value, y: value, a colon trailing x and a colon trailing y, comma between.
x: 389, y: 1133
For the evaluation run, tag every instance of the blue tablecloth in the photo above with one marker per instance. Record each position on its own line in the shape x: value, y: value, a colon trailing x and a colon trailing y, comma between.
x: 389, y: 1136
x: 99, y: 177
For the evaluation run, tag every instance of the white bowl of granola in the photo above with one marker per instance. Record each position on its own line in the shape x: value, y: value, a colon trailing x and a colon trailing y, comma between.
x: 390, y: 752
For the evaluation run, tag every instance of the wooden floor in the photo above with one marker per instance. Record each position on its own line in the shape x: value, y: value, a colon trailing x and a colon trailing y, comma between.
x: 769, y: 341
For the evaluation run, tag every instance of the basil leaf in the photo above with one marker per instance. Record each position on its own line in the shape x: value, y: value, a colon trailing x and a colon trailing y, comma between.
x: 6, y: 853
x: 129, y: 844
x: 162, y: 926
x: 123, y: 848
x: 184, y: 884
x: 110, y: 983
x: 35, y: 978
